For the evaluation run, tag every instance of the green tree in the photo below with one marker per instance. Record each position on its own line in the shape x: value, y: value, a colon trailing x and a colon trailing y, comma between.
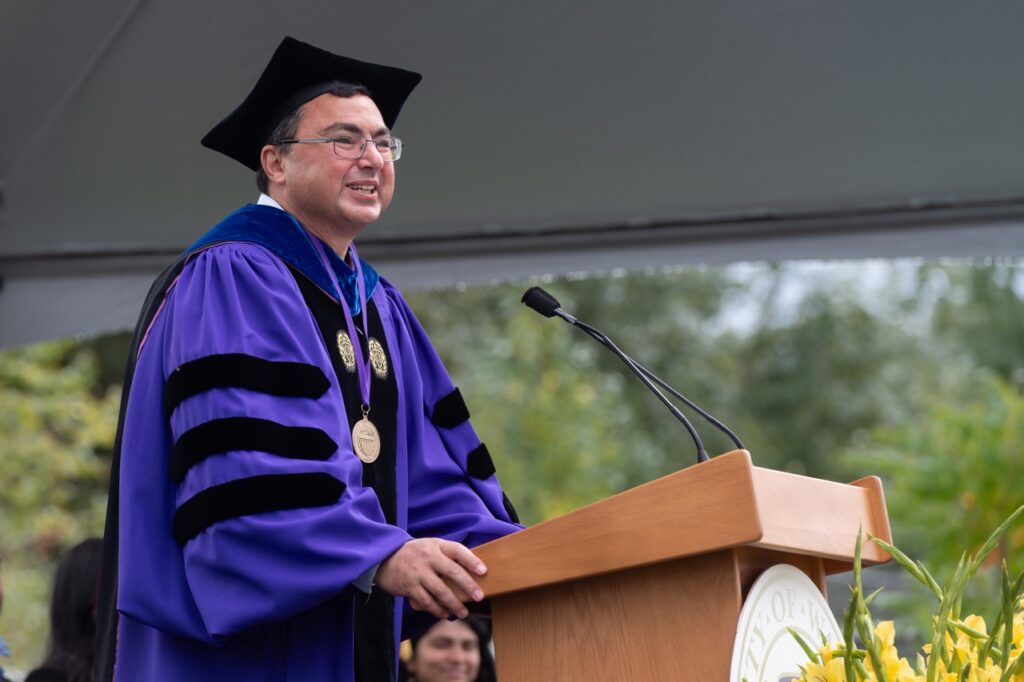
x: 983, y: 315
x: 563, y: 418
x: 58, y: 426
x: 950, y: 478
x: 833, y: 370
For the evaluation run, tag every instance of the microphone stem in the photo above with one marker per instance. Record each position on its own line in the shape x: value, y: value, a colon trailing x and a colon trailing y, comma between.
x: 692, y: 405
x: 702, y: 455
x: 601, y: 338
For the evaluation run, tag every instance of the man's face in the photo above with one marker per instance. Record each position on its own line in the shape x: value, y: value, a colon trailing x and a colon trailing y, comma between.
x: 324, y: 190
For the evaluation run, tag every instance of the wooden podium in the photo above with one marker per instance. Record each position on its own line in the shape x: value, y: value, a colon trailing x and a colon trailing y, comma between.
x: 648, y: 584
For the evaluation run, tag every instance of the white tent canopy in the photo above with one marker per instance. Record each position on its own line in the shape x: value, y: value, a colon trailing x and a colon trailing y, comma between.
x: 546, y: 137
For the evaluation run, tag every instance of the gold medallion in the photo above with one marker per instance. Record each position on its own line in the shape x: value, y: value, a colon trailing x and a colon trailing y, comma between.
x: 378, y: 359
x: 366, y: 440
x: 346, y: 351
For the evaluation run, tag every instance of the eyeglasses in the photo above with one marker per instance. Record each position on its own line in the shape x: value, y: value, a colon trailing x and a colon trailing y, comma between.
x: 349, y: 147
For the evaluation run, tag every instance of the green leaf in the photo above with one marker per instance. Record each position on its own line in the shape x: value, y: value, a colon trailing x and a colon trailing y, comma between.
x: 1006, y: 613
x: 969, y: 631
x: 993, y: 540
x: 907, y: 563
x: 862, y: 671
x: 811, y: 653
x: 850, y: 616
x: 949, y: 597
x: 864, y: 624
x: 1016, y: 667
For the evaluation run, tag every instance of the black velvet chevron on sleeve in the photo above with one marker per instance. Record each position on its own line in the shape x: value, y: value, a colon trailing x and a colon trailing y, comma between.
x: 479, y: 463
x: 513, y: 515
x: 247, y: 433
x: 450, y: 411
x: 238, y: 370
x: 253, y: 495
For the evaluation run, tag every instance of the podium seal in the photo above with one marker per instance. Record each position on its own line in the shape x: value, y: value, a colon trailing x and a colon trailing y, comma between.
x: 782, y: 597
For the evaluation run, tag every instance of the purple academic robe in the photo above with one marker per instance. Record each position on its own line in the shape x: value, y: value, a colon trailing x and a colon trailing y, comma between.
x: 244, y: 521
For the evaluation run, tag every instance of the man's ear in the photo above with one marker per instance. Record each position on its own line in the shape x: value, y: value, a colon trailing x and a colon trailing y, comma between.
x: 271, y: 158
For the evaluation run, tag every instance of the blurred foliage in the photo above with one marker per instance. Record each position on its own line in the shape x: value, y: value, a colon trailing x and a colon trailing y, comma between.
x: 568, y: 424
x: 913, y: 369
x: 58, y: 418
x: 566, y: 421
x: 984, y: 315
x: 950, y: 478
x: 834, y: 370
x: 962, y: 462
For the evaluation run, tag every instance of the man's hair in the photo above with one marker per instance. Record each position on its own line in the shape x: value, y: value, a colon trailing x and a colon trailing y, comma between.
x: 288, y: 127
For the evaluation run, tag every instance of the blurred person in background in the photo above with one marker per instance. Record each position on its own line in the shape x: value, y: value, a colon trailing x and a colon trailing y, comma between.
x: 4, y: 649
x: 451, y: 651
x: 69, y: 656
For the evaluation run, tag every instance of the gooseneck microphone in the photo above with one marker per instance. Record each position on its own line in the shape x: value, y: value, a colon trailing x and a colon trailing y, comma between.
x: 543, y: 302
x: 547, y: 305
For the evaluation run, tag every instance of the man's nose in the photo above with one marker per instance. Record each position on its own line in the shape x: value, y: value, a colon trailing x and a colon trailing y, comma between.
x: 371, y: 157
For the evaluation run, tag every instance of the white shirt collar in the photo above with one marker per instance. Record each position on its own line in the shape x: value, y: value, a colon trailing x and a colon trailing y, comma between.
x: 265, y: 200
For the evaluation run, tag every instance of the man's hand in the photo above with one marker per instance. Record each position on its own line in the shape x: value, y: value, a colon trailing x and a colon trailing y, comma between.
x: 416, y: 571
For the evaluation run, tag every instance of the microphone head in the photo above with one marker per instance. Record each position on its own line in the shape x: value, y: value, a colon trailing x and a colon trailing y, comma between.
x: 541, y: 301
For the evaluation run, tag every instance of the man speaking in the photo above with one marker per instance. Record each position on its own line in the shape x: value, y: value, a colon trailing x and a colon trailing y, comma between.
x: 293, y: 463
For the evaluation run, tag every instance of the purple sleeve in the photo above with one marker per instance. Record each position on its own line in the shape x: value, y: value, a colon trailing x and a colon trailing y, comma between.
x: 448, y: 497
x: 247, y: 568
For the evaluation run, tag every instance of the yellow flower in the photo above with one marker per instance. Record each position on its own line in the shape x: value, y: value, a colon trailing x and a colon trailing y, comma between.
x: 1018, y: 631
x: 904, y: 673
x: 896, y: 669
x: 885, y: 635
x: 976, y: 623
x: 832, y: 671
x: 963, y: 647
x: 990, y: 673
x: 966, y: 647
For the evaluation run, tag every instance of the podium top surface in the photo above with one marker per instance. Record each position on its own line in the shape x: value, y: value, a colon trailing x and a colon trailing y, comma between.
x: 720, y: 504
